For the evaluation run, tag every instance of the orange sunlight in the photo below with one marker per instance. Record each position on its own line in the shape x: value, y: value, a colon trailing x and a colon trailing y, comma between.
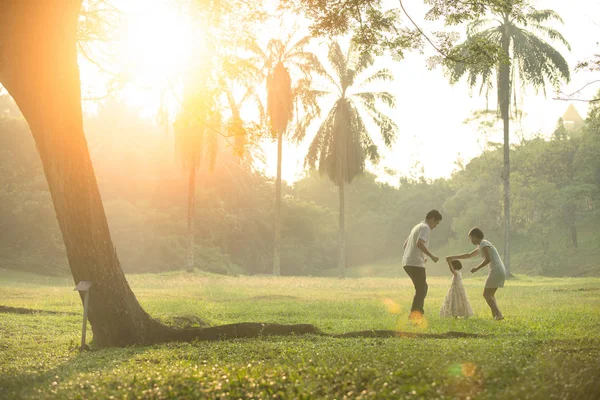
x: 157, y: 43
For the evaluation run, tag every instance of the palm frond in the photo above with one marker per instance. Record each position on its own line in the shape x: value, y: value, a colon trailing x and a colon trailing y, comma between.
x: 359, y: 59
x: 539, y: 16
x: 300, y: 129
x: 475, y: 27
x: 338, y: 61
x: 387, y: 98
x: 388, y: 128
x: 317, y: 149
x: 275, y: 51
x: 307, y: 59
x: 538, y: 61
x: 552, y: 34
x: 297, y: 47
x: 383, y: 75
x: 307, y: 97
x: 370, y: 150
x: 250, y: 43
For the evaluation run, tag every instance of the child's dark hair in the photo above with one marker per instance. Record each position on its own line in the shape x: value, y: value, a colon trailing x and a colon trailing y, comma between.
x: 456, y: 265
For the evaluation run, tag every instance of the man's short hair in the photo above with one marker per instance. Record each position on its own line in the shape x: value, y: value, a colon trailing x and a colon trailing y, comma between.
x: 435, y: 214
x: 476, y: 232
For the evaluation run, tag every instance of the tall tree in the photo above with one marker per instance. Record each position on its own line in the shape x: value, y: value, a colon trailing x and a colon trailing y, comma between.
x: 281, y: 58
x: 213, y: 74
x: 343, y: 143
x: 517, y: 30
x: 196, y: 131
x: 38, y: 60
x: 38, y: 67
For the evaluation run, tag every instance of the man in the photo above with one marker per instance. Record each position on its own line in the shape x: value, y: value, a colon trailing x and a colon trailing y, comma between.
x: 415, y: 250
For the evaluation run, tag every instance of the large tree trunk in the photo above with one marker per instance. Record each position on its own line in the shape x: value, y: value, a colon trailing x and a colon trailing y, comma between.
x: 504, y: 89
x: 277, y: 221
x: 342, y: 232
x: 38, y: 67
x: 190, y: 219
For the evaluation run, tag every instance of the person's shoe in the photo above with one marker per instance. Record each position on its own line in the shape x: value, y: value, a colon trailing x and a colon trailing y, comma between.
x: 416, y: 317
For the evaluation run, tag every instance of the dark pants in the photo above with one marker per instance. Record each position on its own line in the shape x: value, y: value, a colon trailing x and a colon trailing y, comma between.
x: 419, y: 279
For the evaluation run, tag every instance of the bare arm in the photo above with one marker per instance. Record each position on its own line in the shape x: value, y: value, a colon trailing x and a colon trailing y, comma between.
x: 463, y: 256
x: 486, y: 259
x: 421, y: 245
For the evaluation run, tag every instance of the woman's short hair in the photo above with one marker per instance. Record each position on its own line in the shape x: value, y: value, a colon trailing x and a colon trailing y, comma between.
x: 476, y: 232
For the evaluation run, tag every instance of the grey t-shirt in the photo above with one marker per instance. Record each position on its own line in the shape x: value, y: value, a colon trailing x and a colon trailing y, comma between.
x: 413, y: 256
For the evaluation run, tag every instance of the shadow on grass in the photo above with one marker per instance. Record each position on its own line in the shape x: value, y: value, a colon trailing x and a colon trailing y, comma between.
x: 96, y: 361
x: 19, y: 310
x: 188, y: 328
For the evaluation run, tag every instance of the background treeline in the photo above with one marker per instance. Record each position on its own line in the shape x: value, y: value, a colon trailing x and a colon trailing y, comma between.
x: 555, y: 200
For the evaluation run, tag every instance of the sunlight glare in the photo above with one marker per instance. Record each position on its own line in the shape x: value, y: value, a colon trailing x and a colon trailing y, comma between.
x: 159, y: 41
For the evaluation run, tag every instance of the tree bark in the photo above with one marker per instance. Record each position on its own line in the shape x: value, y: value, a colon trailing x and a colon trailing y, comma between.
x: 342, y: 232
x: 190, y: 219
x: 277, y: 221
x: 570, y: 222
x: 504, y: 89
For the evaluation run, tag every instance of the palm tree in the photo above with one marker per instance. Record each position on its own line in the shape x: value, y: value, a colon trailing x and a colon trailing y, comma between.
x: 278, y: 59
x: 196, y: 129
x: 209, y: 82
x: 200, y: 129
x: 516, y: 29
x: 343, y: 144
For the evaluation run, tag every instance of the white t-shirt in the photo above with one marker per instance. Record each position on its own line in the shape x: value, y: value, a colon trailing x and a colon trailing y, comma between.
x: 413, y: 256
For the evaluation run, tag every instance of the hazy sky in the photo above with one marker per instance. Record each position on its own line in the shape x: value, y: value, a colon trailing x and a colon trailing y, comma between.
x: 429, y: 112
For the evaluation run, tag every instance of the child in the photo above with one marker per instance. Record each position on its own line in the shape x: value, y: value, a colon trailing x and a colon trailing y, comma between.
x: 456, y: 303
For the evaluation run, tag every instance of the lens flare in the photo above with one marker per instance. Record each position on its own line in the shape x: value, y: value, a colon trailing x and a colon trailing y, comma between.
x: 392, y: 306
x: 467, y: 369
x: 418, y: 319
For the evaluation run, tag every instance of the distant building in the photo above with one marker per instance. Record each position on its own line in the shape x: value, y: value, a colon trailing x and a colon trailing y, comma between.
x: 571, y: 117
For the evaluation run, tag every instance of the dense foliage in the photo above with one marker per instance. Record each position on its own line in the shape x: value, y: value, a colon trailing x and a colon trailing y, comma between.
x: 555, y: 200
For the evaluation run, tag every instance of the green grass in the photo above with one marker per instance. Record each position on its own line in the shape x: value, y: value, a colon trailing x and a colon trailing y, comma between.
x: 547, y: 347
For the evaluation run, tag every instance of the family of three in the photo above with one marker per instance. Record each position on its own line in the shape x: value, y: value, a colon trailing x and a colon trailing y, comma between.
x: 456, y: 303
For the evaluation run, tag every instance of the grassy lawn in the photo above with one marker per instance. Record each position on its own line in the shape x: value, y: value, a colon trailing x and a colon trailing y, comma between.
x: 547, y: 347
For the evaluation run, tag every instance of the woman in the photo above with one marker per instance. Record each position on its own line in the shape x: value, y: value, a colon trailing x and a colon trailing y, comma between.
x: 497, y: 272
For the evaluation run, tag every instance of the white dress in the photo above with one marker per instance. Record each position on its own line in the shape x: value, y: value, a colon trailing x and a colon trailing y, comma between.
x: 456, y: 303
